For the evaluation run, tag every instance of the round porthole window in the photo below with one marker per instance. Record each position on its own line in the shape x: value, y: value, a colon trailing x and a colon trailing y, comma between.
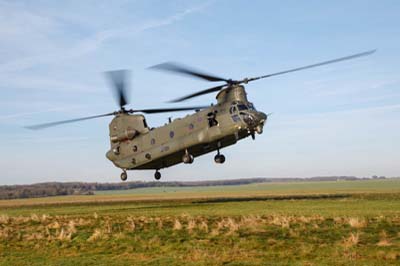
x: 116, y: 150
x: 171, y: 134
x: 148, y: 156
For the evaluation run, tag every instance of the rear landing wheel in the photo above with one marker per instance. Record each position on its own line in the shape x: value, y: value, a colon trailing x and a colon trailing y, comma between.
x: 124, y: 176
x: 219, y: 158
x: 157, y: 175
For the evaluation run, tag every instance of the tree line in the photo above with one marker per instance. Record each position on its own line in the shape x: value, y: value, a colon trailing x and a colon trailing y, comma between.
x: 81, y: 188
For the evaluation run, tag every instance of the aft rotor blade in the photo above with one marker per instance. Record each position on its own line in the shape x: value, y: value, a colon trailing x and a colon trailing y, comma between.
x: 312, y: 66
x: 165, y: 110
x: 118, y: 79
x: 185, y: 70
x: 52, y: 124
x: 210, y: 90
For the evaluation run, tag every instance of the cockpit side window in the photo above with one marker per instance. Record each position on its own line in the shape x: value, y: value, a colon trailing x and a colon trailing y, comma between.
x: 251, y: 106
x: 232, y: 109
x: 144, y: 123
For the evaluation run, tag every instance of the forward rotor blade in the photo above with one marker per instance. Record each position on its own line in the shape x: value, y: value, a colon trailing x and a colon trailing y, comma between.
x: 311, y: 66
x: 165, y: 110
x: 119, y: 83
x: 185, y: 70
x: 210, y: 90
x: 52, y: 124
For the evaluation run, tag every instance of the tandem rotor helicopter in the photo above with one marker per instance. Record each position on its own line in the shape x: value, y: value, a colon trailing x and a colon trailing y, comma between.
x: 135, y: 146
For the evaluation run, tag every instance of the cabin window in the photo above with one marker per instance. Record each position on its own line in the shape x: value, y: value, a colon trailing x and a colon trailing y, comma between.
x: 148, y: 156
x: 152, y: 141
x: 212, y: 121
x: 134, y: 148
x: 133, y: 161
x: 171, y: 134
x: 191, y: 126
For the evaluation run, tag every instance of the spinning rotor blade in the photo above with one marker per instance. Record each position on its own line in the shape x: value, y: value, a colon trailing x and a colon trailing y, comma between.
x: 246, y: 80
x: 119, y: 83
x: 185, y: 70
x: 213, y: 89
x: 174, y: 67
x: 52, y: 124
x: 164, y: 110
x: 146, y: 111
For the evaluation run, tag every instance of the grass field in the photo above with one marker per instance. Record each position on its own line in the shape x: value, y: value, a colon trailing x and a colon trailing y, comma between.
x: 300, y: 223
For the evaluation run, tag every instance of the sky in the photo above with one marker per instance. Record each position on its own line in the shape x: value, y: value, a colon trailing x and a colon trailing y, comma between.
x: 341, y: 119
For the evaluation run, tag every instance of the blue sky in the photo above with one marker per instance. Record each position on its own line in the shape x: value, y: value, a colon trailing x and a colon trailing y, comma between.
x: 341, y: 119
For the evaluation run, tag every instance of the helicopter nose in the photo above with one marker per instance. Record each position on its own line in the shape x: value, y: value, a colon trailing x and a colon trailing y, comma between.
x: 262, y: 117
x: 255, y: 120
x: 261, y: 120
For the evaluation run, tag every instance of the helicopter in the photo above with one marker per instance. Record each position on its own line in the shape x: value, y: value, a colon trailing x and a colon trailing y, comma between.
x: 136, y: 146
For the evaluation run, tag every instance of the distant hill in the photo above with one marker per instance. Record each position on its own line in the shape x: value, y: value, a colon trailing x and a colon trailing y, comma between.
x: 80, y: 188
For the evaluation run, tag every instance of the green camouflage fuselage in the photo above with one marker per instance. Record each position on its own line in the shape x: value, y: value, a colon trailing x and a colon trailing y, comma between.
x: 136, y: 146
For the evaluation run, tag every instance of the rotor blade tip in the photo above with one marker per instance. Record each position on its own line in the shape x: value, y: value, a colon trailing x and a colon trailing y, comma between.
x: 32, y: 127
x: 173, y: 101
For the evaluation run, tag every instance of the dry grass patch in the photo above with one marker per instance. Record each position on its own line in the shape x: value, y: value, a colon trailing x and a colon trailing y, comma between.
x: 34, y: 236
x: 339, y: 220
x: 35, y: 218
x: 357, y: 223
x: 71, y: 227
x: 203, y: 226
x: 130, y: 224
x: 160, y: 223
x: 227, y: 225
x: 392, y: 255
x: 282, y: 221
x: 54, y: 225
x: 177, y: 225
x: 4, y: 219
x: 98, y: 234
x: 191, y: 225
x: 352, y: 240
x: 64, y: 235
x: 384, y: 241
x: 252, y: 221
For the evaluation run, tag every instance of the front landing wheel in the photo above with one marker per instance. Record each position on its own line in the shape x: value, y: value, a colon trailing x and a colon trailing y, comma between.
x: 124, y: 176
x: 157, y: 175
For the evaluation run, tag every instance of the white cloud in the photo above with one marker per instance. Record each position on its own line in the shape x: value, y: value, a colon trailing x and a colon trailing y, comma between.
x: 92, y: 43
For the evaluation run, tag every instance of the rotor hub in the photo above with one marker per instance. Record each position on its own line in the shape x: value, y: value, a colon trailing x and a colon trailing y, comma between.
x: 231, y: 94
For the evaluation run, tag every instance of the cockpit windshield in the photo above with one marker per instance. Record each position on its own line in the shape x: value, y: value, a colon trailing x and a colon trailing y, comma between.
x: 239, y: 106
x: 242, y: 107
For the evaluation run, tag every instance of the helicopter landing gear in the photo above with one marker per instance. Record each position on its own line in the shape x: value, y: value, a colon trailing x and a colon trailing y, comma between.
x: 187, y: 158
x: 219, y: 158
x: 124, y: 176
x: 157, y: 175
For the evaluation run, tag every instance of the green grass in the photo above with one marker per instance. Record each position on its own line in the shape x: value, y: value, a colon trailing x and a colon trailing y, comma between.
x: 390, y: 185
x: 334, y: 223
